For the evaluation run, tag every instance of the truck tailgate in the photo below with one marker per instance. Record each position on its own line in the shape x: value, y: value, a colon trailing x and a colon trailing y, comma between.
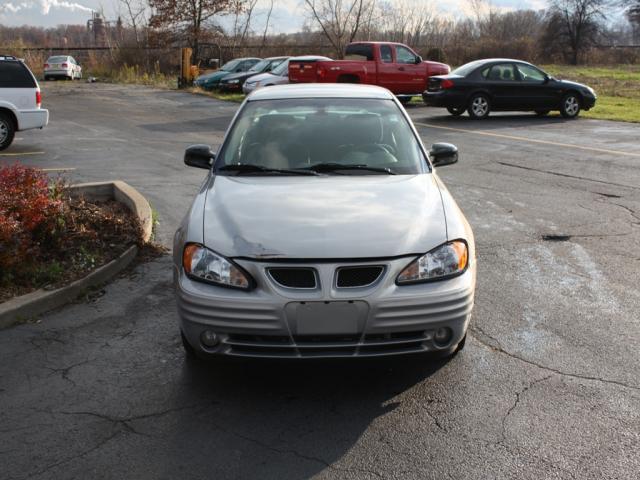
x: 303, y: 71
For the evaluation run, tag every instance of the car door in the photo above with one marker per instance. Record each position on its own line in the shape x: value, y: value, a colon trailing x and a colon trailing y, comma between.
x: 387, y: 69
x: 536, y: 92
x: 503, y: 85
x: 411, y: 75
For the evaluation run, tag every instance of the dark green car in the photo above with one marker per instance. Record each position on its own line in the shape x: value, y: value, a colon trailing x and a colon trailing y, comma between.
x: 211, y: 80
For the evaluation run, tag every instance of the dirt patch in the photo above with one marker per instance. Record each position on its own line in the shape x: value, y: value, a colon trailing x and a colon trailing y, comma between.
x: 93, y: 234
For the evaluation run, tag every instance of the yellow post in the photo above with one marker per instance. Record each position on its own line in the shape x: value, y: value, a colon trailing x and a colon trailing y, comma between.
x: 186, y: 75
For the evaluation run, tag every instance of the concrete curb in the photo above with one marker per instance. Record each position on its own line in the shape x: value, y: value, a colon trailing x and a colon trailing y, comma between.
x: 35, y: 303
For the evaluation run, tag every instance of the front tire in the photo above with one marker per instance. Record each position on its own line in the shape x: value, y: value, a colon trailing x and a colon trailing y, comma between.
x: 405, y: 100
x: 479, y: 106
x: 7, y: 131
x: 455, y: 111
x: 570, y: 107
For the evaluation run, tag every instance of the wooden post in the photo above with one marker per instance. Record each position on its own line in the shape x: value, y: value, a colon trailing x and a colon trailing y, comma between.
x: 186, y: 75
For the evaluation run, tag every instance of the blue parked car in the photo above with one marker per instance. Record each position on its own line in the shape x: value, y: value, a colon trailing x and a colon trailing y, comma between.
x: 212, y: 80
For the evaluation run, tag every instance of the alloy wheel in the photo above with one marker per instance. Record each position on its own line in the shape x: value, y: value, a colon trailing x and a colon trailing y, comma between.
x: 571, y: 106
x: 479, y: 107
x: 4, y: 131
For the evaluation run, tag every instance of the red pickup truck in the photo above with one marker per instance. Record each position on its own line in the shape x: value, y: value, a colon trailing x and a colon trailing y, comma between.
x: 390, y: 65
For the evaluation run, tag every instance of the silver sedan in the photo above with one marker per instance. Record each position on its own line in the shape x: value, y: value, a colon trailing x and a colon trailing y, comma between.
x: 323, y: 230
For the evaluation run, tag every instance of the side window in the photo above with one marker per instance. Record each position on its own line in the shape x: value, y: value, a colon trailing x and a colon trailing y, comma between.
x: 485, y: 73
x: 385, y: 54
x: 14, y: 74
x: 503, y: 72
x: 360, y: 50
x: 530, y: 74
x: 404, y: 55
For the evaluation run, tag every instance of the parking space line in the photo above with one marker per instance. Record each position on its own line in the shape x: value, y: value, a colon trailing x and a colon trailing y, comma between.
x: 58, y: 169
x: 18, y: 154
x: 530, y: 140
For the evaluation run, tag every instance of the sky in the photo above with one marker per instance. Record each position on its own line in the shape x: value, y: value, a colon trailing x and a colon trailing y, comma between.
x: 287, y: 16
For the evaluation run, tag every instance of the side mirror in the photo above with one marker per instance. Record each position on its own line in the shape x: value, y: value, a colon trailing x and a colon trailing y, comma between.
x: 418, y: 59
x: 443, y: 154
x: 199, y: 156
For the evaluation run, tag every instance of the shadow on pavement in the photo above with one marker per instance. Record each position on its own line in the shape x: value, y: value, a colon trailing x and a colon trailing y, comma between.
x: 287, y: 419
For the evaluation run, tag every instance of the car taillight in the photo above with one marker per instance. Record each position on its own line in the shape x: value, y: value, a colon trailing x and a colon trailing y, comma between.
x: 46, y: 65
x: 38, y: 98
x: 322, y: 72
x: 446, y: 84
x: 64, y: 65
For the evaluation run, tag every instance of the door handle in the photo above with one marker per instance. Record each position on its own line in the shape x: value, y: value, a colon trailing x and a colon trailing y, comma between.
x: 401, y: 69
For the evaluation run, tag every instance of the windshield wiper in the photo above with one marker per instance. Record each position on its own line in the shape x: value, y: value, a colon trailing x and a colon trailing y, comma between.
x: 253, y: 168
x: 333, y: 167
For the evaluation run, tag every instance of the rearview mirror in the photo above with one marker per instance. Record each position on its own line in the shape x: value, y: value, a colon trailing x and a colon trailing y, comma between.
x: 443, y: 154
x: 199, y: 156
x: 418, y: 59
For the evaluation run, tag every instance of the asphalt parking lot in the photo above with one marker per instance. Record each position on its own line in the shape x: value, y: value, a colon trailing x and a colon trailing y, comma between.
x: 547, y: 387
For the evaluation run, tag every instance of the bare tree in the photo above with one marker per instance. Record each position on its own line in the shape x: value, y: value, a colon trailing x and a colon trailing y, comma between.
x: 266, y: 25
x: 137, y: 16
x: 339, y: 20
x: 242, y: 13
x: 576, y: 24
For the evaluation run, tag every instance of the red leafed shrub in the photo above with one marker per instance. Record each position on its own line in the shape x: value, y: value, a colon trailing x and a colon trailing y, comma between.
x: 30, y: 211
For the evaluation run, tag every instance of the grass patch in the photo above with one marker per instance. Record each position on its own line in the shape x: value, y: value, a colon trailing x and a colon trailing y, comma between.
x: 617, y: 87
x: 228, y: 97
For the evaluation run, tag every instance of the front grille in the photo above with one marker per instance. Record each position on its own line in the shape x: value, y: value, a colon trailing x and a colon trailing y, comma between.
x: 294, y: 277
x: 350, y: 277
x: 280, y: 346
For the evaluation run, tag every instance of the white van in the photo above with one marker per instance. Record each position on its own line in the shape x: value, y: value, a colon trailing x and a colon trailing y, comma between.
x: 20, y: 100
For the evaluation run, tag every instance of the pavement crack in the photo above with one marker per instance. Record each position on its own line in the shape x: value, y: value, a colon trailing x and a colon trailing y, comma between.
x: 566, y: 175
x: 493, y: 344
x: 64, y: 371
x: 517, y: 401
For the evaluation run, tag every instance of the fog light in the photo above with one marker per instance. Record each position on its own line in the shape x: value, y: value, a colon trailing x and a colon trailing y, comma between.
x: 443, y: 335
x: 209, y: 338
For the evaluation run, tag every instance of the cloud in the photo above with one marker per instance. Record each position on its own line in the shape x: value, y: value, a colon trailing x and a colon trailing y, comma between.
x: 45, y: 6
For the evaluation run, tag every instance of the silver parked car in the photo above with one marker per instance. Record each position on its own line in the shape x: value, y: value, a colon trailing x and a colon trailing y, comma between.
x: 323, y: 230
x: 62, y: 66
x: 277, y: 76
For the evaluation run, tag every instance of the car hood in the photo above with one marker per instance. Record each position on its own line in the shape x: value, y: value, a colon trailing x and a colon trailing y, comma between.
x: 262, y: 77
x: 570, y: 84
x: 330, y: 216
x: 215, y: 76
x: 239, y: 76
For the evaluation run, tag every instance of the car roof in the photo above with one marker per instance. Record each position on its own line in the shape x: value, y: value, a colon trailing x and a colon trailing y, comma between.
x: 309, y: 57
x: 498, y: 60
x: 284, y: 57
x: 326, y: 90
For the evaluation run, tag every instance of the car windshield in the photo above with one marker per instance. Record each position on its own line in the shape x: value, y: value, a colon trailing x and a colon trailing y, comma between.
x: 466, y: 69
x: 260, y: 66
x: 229, y: 66
x: 281, y: 69
x: 57, y: 59
x: 329, y: 135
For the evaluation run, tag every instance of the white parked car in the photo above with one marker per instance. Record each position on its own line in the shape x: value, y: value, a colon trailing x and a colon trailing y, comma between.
x: 62, y: 66
x: 277, y: 76
x: 20, y: 100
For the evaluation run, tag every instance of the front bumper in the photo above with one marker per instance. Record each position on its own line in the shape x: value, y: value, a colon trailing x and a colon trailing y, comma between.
x: 388, y: 319
x: 230, y: 87
x: 248, y: 88
x: 588, y: 102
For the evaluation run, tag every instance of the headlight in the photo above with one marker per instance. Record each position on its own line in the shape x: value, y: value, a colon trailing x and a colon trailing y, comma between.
x: 445, y: 261
x: 202, y: 264
x: 233, y: 81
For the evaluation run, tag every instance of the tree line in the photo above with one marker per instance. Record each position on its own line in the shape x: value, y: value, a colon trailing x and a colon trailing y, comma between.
x: 568, y: 31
